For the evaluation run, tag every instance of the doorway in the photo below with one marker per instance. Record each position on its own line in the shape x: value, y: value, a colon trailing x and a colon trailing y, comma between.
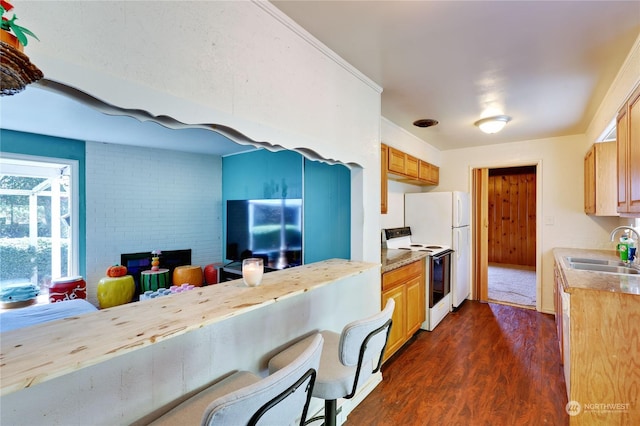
x: 505, y: 234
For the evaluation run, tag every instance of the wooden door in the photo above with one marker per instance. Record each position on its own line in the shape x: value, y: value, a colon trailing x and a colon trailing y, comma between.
x: 480, y: 236
x: 512, y: 215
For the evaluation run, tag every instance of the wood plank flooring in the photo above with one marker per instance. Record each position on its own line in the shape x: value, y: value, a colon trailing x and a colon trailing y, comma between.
x: 485, y: 364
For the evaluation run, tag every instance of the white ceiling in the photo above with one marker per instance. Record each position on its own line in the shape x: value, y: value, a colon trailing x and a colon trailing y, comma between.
x: 548, y: 64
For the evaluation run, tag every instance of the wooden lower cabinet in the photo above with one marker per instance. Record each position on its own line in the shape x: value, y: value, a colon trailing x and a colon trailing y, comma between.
x: 598, y: 335
x: 406, y: 286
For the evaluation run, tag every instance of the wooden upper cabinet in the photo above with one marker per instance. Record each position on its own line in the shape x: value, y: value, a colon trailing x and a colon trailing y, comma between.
x: 622, y: 145
x: 628, y: 156
x: 384, y: 188
x: 634, y: 153
x: 411, y: 166
x: 396, y: 161
x: 600, y: 180
x: 589, y: 181
x: 409, y: 169
x: 428, y: 172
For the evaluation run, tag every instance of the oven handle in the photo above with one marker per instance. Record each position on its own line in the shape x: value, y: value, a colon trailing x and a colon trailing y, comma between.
x: 443, y: 254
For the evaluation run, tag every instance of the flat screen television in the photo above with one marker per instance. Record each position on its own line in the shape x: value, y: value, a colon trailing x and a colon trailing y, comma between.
x: 270, y: 229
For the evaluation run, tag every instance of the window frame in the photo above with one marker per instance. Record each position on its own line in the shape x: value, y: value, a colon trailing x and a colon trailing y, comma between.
x: 74, y: 253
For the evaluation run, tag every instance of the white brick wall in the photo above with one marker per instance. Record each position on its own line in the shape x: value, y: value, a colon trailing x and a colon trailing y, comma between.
x: 142, y: 199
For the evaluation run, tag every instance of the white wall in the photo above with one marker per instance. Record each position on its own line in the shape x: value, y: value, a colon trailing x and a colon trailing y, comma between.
x: 399, y: 138
x: 237, y: 64
x: 562, y: 221
x: 396, y: 137
x: 140, y: 199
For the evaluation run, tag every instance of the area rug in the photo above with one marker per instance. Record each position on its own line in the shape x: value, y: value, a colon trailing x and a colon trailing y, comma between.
x: 513, y: 284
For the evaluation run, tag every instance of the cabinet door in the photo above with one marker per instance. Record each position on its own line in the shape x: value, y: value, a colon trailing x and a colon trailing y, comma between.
x: 428, y: 172
x: 622, y: 146
x: 633, y: 162
x: 411, y: 166
x: 396, y: 160
x: 384, y: 161
x: 398, y: 326
x: 557, y: 300
x: 590, y: 181
x: 434, y: 174
x: 415, y: 305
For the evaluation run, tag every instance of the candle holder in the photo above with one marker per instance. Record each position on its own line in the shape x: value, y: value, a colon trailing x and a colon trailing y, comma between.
x: 252, y: 271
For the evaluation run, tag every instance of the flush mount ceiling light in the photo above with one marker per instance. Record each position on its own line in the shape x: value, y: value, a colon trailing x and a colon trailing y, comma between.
x: 425, y: 122
x: 493, y: 124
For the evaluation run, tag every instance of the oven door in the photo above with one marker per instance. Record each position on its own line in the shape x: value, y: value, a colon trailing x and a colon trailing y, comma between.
x: 439, y: 277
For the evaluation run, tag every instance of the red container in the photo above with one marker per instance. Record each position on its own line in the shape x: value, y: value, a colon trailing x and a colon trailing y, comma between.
x: 67, y: 288
x: 211, y: 274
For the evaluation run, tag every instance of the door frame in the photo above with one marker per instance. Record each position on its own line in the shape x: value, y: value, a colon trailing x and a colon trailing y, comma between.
x: 478, y: 177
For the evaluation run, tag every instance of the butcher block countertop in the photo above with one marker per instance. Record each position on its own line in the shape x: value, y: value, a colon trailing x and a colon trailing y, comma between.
x: 591, y: 280
x: 394, y: 258
x: 45, y: 351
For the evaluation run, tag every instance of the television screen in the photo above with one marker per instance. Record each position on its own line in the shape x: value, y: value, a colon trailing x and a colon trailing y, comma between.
x: 271, y: 229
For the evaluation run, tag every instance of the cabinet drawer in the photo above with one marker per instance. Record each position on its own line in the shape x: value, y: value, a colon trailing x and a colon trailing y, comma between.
x: 401, y: 275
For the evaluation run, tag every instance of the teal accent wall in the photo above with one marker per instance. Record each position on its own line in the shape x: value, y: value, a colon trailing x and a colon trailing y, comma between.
x: 262, y: 174
x: 327, y: 211
x: 49, y: 146
x: 259, y: 174
x: 325, y: 190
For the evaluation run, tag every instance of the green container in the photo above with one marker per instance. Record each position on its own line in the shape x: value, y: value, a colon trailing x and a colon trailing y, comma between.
x: 153, y: 280
x: 623, y: 249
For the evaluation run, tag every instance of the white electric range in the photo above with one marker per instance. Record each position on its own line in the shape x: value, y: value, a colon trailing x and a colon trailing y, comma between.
x: 438, y: 273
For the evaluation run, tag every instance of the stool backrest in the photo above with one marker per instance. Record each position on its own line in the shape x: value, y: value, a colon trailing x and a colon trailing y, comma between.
x: 281, y: 398
x: 362, y: 344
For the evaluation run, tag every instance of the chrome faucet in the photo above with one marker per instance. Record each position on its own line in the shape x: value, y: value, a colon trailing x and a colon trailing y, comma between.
x: 628, y: 228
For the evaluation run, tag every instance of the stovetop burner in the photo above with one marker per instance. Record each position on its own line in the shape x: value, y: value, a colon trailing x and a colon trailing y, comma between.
x: 400, y: 239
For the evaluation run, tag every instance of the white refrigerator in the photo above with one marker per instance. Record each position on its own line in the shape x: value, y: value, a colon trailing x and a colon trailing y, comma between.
x: 442, y: 218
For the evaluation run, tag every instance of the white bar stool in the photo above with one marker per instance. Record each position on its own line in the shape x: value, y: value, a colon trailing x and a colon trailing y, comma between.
x: 348, y: 359
x: 245, y: 399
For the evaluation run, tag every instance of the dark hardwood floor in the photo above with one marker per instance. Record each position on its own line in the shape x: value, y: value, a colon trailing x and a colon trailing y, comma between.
x: 485, y: 364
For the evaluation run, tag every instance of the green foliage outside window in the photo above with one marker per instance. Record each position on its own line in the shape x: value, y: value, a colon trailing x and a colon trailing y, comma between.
x: 18, y: 259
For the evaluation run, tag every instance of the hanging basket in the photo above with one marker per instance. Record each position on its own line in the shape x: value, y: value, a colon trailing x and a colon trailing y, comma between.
x: 16, y: 70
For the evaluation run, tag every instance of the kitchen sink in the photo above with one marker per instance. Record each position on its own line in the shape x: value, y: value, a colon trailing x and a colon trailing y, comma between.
x: 590, y: 261
x: 612, y: 269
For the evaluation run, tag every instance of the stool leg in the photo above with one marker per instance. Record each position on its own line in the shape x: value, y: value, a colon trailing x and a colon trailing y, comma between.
x: 330, y: 412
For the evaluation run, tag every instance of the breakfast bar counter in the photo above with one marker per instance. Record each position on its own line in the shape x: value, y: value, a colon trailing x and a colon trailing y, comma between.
x: 137, y: 357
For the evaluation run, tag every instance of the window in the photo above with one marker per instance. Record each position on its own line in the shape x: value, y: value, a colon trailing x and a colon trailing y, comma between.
x: 38, y: 205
